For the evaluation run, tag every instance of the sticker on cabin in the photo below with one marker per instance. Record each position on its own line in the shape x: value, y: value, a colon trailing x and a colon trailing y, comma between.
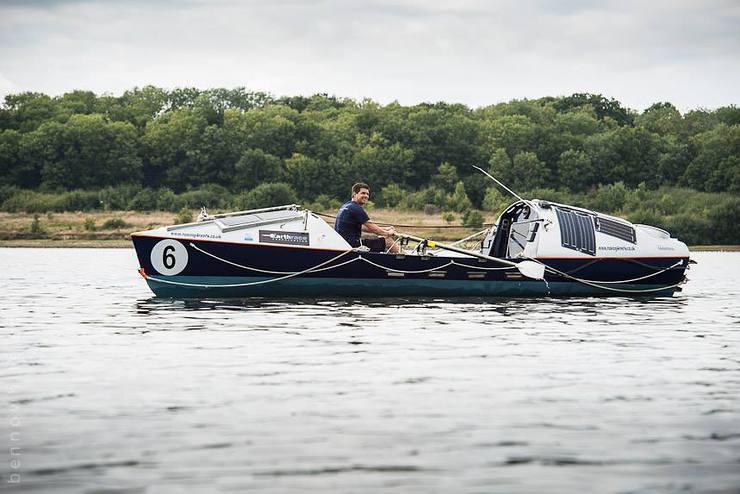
x: 279, y: 237
x: 169, y: 257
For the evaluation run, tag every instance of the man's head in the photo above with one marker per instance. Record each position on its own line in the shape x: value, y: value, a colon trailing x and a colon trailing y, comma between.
x: 360, y: 193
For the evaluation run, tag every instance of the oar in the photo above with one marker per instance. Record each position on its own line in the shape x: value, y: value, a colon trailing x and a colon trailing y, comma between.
x: 530, y: 269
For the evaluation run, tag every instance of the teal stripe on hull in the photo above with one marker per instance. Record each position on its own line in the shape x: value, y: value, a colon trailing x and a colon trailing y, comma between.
x: 319, y: 287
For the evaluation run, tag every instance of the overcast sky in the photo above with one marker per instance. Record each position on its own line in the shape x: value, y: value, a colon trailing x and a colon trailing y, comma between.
x: 475, y: 52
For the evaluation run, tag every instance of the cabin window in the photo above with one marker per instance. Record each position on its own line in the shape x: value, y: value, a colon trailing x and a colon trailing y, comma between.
x: 507, y: 239
x: 577, y: 231
x: 518, y: 236
x: 616, y: 229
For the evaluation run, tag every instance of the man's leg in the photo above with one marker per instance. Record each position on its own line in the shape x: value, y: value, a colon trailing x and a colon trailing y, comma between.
x: 392, y: 246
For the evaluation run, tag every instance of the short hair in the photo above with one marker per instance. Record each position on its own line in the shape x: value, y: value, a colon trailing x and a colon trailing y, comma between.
x: 359, y: 186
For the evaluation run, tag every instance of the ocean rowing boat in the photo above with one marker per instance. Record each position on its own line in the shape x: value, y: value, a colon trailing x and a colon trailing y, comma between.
x: 536, y: 248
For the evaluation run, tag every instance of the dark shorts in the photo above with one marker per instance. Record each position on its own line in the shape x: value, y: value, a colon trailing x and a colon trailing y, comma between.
x: 376, y: 244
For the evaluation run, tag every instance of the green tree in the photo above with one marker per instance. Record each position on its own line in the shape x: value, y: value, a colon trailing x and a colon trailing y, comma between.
x: 255, y: 167
x: 311, y: 177
x: 661, y: 118
x: 609, y: 198
x: 698, y: 121
x: 499, y: 163
x: 88, y: 152
x: 472, y: 219
x: 475, y: 188
x: 716, y: 166
x: 458, y: 200
x: 624, y: 154
x: 382, y: 164
x: 137, y: 106
x: 728, y: 115
x: 391, y: 196
x: 675, y: 155
x: 577, y: 123
x: 14, y: 170
x: 170, y: 148
x: 524, y: 171
x: 267, y: 195
x: 437, y: 134
x: 602, y: 106
x: 272, y: 129
x: 512, y: 133
x: 27, y: 111
x: 494, y: 200
x: 76, y: 103
x: 446, y: 177
x: 576, y: 170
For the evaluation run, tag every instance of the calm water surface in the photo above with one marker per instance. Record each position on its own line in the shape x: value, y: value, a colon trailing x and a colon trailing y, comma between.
x: 109, y: 390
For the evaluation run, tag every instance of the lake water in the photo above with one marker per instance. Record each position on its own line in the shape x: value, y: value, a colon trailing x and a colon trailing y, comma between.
x: 109, y: 390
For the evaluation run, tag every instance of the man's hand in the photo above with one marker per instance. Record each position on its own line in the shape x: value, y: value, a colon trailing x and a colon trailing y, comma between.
x: 371, y: 227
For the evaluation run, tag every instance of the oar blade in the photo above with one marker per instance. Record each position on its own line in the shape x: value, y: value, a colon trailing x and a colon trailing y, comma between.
x: 531, y: 269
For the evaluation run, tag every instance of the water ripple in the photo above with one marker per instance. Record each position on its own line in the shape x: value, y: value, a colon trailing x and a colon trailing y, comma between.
x: 114, y: 390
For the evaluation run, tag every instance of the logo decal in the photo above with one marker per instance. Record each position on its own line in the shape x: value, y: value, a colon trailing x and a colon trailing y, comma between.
x: 616, y: 247
x: 278, y: 237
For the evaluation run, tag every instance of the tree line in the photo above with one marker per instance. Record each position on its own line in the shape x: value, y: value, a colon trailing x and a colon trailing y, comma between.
x: 185, y: 138
x: 159, y: 144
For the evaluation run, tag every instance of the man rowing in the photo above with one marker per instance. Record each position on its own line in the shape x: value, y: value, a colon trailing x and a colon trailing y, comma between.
x: 352, y: 220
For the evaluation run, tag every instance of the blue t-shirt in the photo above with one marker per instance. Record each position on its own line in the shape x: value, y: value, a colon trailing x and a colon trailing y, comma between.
x: 350, y: 219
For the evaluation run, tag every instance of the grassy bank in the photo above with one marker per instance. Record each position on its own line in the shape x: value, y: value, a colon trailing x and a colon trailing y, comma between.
x: 112, y: 228
x: 78, y: 226
x: 81, y: 243
x: 715, y: 248
x: 694, y: 217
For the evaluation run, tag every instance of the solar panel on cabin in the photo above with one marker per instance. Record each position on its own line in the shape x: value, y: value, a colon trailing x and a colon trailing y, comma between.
x: 259, y: 217
x: 576, y: 231
x: 587, y: 233
x: 616, y: 229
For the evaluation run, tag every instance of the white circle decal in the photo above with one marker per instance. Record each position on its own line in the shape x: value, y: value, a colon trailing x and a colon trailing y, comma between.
x: 169, y: 257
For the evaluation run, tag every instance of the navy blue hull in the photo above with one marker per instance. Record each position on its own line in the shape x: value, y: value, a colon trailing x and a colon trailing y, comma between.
x: 226, y: 270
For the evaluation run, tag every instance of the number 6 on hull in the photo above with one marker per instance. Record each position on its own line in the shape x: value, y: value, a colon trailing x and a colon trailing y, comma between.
x: 169, y: 257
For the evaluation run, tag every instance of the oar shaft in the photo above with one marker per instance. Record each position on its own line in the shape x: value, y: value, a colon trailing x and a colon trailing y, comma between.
x: 456, y: 249
x: 496, y: 180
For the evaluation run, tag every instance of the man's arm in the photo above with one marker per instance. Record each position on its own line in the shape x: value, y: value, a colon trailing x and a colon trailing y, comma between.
x: 371, y: 227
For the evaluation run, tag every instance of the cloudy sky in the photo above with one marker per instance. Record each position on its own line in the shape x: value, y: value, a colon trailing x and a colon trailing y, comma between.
x: 475, y: 52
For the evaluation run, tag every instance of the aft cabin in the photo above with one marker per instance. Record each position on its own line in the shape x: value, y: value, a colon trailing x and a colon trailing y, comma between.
x: 515, y: 233
x: 543, y: 229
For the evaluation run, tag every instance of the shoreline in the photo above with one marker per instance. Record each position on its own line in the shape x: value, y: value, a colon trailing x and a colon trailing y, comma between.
x: 44, y: 243
x: 83, y: 243
x: 110, y: 229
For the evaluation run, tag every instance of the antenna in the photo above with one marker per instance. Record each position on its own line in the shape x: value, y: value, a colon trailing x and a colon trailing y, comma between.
x: 502, y: 185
